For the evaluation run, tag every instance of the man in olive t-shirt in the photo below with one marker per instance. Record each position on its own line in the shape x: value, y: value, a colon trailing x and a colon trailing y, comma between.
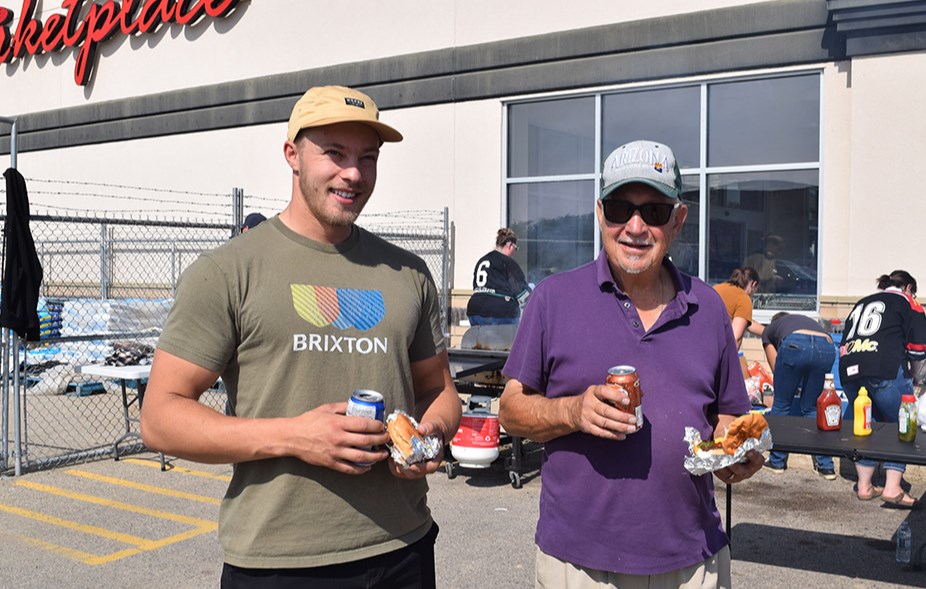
x: 294, y: 316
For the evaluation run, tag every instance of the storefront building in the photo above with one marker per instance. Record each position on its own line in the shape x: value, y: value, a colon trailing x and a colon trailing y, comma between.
x: 798, y: 123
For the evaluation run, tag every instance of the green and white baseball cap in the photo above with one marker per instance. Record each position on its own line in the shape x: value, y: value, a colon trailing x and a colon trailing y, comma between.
x: 643, y: 161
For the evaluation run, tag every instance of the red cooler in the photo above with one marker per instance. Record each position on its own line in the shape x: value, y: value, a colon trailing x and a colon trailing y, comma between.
x: 476, y: 443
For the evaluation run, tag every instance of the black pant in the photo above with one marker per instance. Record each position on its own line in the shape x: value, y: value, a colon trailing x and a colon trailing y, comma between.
x: 411, y: 567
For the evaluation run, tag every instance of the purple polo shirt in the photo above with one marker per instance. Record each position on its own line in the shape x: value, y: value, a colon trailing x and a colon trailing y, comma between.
x: 629, y: 506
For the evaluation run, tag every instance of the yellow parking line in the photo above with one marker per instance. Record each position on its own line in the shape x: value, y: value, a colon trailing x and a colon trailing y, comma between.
x: 95, y: 559
x: 78, y: 555
x: 137, y: 543
x: 142, y: 487
x: 193, y: 521
x: 179, y: 469
x: 77, y: 526
x: 113, y: 556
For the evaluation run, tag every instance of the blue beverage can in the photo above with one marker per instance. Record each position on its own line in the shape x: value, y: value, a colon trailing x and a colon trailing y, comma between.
x: 369, y: 404
x: 366, y: 403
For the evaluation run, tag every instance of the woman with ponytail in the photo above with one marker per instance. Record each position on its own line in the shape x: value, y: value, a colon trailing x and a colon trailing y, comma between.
x: 737, y: 296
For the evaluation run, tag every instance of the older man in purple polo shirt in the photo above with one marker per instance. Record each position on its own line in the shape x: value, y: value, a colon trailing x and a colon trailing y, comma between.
x: 618, y: 508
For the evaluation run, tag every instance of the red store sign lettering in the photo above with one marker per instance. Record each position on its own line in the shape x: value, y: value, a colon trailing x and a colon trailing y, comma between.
x: 100, y: 22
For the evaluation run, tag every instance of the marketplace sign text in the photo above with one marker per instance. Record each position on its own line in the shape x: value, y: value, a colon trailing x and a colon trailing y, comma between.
x: 101, y: 22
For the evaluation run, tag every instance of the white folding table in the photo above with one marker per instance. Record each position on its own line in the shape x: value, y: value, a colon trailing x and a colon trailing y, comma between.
x: 125, y: 373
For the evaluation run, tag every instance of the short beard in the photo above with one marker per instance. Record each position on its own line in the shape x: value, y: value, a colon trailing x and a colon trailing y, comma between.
x: 344, y: 219
x: 636, y: 269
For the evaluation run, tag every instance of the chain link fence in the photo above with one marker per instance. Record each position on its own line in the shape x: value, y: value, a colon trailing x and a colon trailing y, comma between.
x: 108, y: 285
x: 425, y: 233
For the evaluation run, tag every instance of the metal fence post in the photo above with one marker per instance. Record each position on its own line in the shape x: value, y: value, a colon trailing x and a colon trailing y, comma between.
x: 173, y: 269
x: 104, y: 257
x: 4, y: 398
x: 7, y: 336
x: 237, y: 210
x: 445, y: 265
x: 17, y: 405
x: 44, y: 266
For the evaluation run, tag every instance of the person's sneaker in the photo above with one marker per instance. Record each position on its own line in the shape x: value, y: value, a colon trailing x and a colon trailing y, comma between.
x: 827, y: 473
x: 775, y: 469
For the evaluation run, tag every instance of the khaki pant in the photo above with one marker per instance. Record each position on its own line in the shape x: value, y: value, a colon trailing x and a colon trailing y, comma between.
x: 553, y: 573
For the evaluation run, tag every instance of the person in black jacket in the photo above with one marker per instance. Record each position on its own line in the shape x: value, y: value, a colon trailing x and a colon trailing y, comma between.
x: 499, y: 287
x: 882, y: 333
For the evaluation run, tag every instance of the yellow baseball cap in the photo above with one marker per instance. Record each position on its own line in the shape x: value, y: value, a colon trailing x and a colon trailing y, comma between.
x: 326, y: 105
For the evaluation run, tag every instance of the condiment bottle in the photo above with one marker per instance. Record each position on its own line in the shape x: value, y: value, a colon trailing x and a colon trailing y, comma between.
x: 829, y: 406
x: 861, y: 426
x: 906, y: 419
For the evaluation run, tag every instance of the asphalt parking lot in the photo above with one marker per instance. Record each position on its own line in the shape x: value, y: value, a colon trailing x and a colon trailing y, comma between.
x: 127, y: 524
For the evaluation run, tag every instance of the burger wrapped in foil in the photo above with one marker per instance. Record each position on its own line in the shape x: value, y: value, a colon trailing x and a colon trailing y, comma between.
x: 408, y: 446
x: 709, y: 456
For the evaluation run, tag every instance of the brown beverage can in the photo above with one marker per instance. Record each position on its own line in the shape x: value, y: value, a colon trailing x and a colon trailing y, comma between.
x: 625, y: 377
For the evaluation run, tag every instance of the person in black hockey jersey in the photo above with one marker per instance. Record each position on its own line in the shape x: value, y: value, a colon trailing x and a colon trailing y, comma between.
x: 499, y: 286
x: 882, y: 333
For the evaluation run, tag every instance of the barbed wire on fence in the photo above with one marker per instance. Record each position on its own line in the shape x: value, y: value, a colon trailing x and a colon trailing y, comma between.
x: 275, y: 203
x: 47, y: 196
x: 108, y: 200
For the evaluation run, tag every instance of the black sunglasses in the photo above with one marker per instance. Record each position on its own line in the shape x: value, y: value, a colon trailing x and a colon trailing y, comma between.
x: 655, y: 214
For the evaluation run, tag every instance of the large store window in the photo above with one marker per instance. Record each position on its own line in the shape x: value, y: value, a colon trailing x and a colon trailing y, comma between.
x: 749, y: 150
x: 554, y: 222
x: 766, y: 220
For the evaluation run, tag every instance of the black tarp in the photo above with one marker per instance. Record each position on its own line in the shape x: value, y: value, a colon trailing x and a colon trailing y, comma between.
x: 22, y: 275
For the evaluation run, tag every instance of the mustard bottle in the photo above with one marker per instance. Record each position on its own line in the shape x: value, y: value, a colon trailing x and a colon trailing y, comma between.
x: 861, y: 426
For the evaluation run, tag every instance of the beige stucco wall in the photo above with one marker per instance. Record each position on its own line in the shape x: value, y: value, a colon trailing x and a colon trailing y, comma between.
x: 836, y: 144
x: 885, y: 205
x: 212, y: 162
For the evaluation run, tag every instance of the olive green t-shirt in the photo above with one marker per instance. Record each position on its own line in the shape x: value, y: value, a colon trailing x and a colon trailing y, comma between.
x: 292, y: 324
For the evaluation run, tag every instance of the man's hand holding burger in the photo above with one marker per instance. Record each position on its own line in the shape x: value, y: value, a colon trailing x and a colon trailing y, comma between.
x: 733, y: 431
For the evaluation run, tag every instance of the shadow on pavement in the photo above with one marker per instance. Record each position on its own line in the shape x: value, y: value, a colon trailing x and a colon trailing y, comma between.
x: 857, y: 557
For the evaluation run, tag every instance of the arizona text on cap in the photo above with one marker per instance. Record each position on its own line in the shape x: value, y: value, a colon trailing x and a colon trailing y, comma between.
x: 643, y: 161
x: 326, y: 105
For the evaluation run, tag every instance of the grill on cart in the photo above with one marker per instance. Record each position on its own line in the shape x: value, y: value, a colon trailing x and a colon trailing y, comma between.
x: 476, y: 368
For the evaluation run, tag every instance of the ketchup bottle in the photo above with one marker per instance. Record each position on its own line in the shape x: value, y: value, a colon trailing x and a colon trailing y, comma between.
x: 829, y: 406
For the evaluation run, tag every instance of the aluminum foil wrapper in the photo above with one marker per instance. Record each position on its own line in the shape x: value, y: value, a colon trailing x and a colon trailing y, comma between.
x: 424, y: 448
x: 703, y: 463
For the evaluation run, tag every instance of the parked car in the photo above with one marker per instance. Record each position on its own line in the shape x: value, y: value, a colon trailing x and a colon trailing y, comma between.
x: 796, y: 279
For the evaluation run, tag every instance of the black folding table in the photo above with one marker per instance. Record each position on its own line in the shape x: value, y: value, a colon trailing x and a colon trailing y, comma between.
x: 801, y: 436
